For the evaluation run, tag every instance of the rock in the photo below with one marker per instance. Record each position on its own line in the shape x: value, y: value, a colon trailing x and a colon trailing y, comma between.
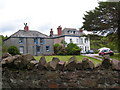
x: 106, y: 62
x: 53, y: 85
x: 32, y: 64
x: 5, y: 55
x: 19, y: 63
x: 115, y: 64
x: 9, y: 60
x: 87, y: 64
x: 60, y: 65
x: 71, y: 65
x: 52, y: 64
x: 22, y: 61
x: 79, y: 66
x: 42, y: 60
x: 42, y: 63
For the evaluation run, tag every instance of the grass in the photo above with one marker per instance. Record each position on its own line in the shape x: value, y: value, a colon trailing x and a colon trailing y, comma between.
x: 115, y: 56
x: 66, y: 58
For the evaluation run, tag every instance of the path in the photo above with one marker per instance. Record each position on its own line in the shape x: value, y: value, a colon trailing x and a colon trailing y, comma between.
x: 93, y: 56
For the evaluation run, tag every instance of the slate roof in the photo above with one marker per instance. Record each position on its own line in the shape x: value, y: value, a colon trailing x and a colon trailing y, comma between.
x: 67, y: 30
x: 30, y: 33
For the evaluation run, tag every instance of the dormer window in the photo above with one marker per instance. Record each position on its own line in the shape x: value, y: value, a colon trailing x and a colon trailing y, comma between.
x: 21, y: 40
x: 68, y: 31
x: 73, y: 32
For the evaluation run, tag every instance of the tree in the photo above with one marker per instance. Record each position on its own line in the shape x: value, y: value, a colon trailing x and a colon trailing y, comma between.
x: 13, y: 50
x: 59, y: 49
x: 103, y: 17
x: 73, y: 49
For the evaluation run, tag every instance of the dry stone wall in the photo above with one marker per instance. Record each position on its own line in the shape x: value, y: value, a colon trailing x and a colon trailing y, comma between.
x: 23, y: 71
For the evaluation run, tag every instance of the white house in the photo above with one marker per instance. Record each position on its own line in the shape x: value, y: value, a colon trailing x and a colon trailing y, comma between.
x: 72, y: 35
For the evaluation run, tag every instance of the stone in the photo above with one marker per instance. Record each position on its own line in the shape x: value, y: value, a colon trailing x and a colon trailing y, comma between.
x: 115, y: 64
x: 106, y: 62
x: 71, y: 65
x: 22, y: 61
x: 53, y: 85
x: 42, y: 63
x: 9, y: 60
x: 79, y: 66
x: 52, y: 64
x: 32, y: 64
x: 60, y: 65
x: 87, y: 64
x: 42, y: 60
x: 5, y: 55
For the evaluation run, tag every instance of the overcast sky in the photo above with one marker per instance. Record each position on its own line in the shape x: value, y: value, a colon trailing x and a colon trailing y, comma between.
x: 42, y: 15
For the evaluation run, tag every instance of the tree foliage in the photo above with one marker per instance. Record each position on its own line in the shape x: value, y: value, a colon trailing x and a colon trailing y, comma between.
x: 103, y: 17
x: 59, y: 49
x: 73, y: 49
x: 13, y: 50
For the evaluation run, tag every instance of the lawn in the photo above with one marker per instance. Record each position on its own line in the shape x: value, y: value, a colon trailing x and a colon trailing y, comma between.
x: 115, y: 56
x: 66, y: 58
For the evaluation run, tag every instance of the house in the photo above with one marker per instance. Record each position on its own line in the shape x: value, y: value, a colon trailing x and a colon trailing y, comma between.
x: 30, y: 41
x: 36, y: 43
x: 71, y: 35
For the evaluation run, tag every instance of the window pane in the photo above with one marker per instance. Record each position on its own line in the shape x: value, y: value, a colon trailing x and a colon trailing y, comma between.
x: 21, y: 40
x: 47, y: 48
x: 21, y: 49
x: 41, y: 41
x: 70, y: 40
x: 38, y: 48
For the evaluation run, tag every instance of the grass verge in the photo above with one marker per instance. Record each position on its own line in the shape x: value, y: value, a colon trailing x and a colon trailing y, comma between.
x: 66, y: 58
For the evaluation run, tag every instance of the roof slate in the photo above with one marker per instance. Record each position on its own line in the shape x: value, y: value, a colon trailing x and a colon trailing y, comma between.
x: 30, y: 33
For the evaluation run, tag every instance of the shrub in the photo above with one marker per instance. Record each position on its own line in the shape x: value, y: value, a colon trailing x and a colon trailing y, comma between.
x: 13, y: 50
x: 73, y: 49
x: 59, y: 49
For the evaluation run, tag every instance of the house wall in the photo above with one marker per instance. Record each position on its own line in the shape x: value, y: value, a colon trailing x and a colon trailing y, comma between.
x: 85, y: 44
x: 30, y: 46
x: 58, y: 40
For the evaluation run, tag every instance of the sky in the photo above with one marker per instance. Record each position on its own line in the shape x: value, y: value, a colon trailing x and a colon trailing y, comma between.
x: 42, y: 15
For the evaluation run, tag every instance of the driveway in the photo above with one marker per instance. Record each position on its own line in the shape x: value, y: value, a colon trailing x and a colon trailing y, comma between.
x: 93, y: 56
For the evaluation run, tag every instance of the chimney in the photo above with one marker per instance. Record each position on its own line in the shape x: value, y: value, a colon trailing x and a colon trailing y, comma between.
x: 26, y: 28
x: 80, y: 30
x: 51, y: 33
x: 59, y: 29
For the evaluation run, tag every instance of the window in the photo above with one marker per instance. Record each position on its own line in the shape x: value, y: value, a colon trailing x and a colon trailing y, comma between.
x: 47, y: 48
x: 77, y: 40
x: 21, y: 48
x: 70, y: 40
x: 35, y: 40
x: 85, y: 40
x: 38, y: 48
x: 41, y: 41
x: 73, y: 32
x: 81, y: 40
x: 21, y: 40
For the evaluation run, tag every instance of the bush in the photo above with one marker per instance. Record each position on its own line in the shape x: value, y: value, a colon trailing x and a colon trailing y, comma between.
x: 13, y: 50
x: 73, y: 49
x: 59, y: 49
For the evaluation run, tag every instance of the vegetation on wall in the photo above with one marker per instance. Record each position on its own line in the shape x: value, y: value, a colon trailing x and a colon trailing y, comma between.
x: 13, y: 50
x: 71, y: 49
x: 97, y: 42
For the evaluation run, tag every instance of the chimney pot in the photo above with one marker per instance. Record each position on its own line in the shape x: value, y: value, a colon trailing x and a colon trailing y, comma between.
x: 26, y: 28
x: 51, y: 32
x: 59, y: 29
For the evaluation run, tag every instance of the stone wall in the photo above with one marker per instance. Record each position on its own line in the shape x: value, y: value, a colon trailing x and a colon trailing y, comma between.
x: 23, y: 71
